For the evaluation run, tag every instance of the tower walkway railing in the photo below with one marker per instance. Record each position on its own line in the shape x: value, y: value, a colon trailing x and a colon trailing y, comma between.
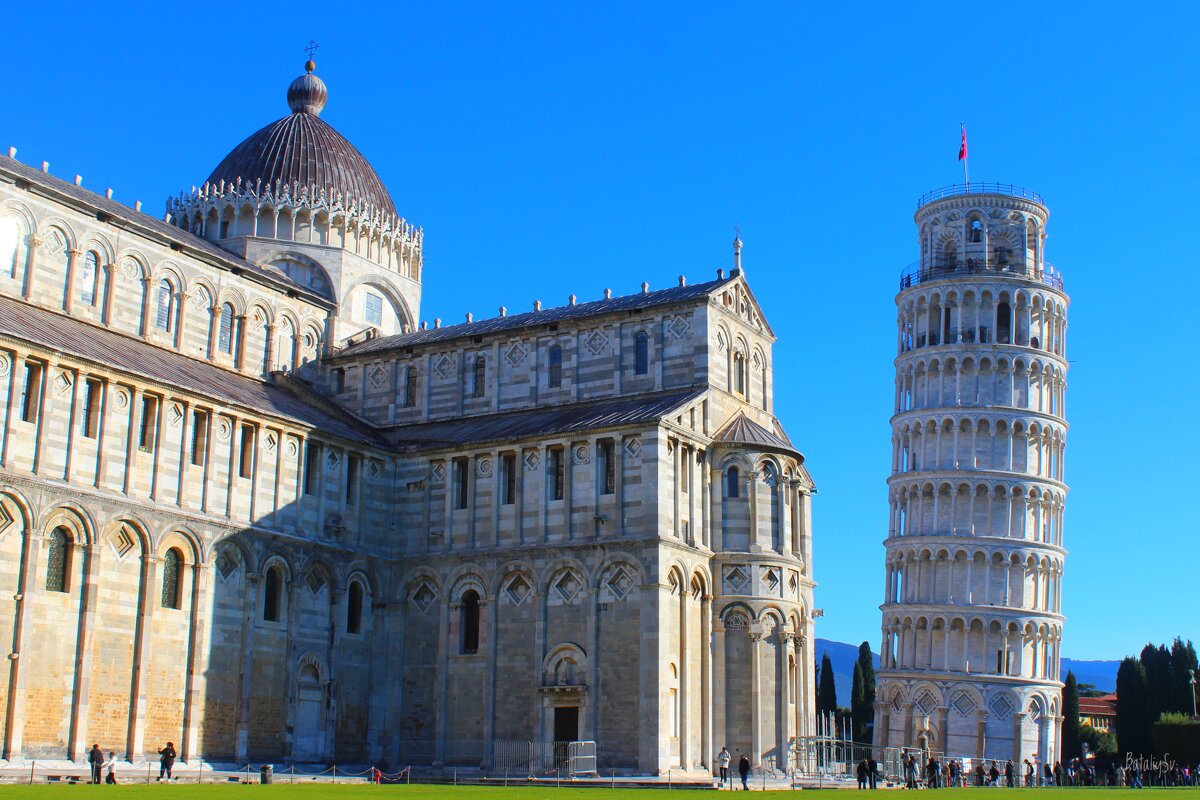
x: 1006, y: 189
x: 940, y: 269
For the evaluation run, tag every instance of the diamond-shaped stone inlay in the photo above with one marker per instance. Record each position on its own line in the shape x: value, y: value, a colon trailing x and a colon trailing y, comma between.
x: 568, y: 586
x: 331, y: 460
x: 619, y: 583
x: 678, y: 327
x: 597, y: 342
x: 518, y: 589
x: 445, y: 366
x: 964, y: 704
x: 633, y: 447
x: 532, y: 460
x: 896, y: 702
x: 794, y: 585
x: 175, y: 415
x: 439, y: 471
x: 123, y: 541
x: 736, y: 579
x: 516, y: 353
x: 424, y: 596
x: 315, y: 582
x: 926, y: 702
x: 377, y: 375
x: 374, y: 470
x: 771, y: 579
x: 62, y: 382
x: 226, y: 564
x: 6, y: 518
x: 270, y: 441
x: 1001, y: 706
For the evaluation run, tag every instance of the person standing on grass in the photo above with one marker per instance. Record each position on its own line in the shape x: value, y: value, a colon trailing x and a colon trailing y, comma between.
x: 872, y: 772
x: 723, y: 759
x: 166, y: 760
x: 95, y: 761
x: 744, y: 771
x: 111, y: 766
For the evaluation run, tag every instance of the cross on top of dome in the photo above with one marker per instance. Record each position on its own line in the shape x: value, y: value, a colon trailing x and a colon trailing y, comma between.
x: 307, y: 94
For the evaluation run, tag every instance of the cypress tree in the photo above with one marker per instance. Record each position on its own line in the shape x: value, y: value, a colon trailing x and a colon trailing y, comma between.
x: 827, y: 693
x: 856, y: 704
x: 1131, y: 708
x: 864, y: 712
x: 1070, y: 724
x: 1183, y: 662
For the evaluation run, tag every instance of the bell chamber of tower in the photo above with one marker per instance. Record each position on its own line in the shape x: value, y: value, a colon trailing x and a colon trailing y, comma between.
x: 972, y: 615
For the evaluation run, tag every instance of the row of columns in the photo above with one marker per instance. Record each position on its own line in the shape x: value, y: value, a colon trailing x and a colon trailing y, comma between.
x: 952, y: 386
x: 951, y: 448
x: 916, y: 512
x: 930, y: 325
x: 910, y: 647
x: 30, y: 592
x: 916, y: 580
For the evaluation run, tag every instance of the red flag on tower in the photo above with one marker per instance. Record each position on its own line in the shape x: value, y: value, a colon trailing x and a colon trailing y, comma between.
x: 962, y: 148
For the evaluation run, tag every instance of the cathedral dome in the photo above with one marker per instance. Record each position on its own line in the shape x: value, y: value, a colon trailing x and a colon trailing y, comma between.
x: 302, y: 148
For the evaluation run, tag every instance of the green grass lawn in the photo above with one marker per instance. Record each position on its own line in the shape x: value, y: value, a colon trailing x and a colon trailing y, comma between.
x: 524, y: 792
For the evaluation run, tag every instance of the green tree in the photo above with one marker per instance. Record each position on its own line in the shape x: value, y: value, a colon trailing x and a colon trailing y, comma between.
x: 1157, y: 662
x: 827, y: 692
x: 1132, y: 729
x: 1098, y: 741
x: 862, y: 695
x: 1183, y: 663
x: 1069, y: 742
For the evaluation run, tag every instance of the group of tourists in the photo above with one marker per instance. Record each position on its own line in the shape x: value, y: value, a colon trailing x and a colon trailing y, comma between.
x: 724, y: 759
x: 99, y: 763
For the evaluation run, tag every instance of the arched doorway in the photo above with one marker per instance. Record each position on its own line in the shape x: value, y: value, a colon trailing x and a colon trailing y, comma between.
x: 308, y: 732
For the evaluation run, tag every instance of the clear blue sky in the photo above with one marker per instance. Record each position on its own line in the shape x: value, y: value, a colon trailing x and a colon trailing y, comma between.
x: 568, y: 147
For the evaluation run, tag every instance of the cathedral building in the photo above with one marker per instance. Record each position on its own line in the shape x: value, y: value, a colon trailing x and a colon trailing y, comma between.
x: 251, y: 505
x: 972, y: 612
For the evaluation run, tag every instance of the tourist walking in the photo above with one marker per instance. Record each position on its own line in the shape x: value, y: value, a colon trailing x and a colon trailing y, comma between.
x: 862, y: 774
x: 744, y: 771
x: 873, y: 772
x: 723, y: 759
x: 96, y: 762
x: 166, y: 760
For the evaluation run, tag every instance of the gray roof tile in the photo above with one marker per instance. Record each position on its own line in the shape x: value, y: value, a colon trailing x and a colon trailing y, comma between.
x: 47, y: 329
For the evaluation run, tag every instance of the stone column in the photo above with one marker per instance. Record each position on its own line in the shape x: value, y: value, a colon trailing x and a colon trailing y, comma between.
x: 34, y: 242
x: 214, y: 323
x: 706, y: 682
x: 883, y: 723
x: 147, y: 296
x: 76, y: 738
x: 1018, y: 735
x: 784, y: 687
x: 906, y: 739
x: 756, y: 694
x: 142, y: 657
x: 442, y: 690
x: 193, y: 701
x: 981, y: 732
x: 69, y: 291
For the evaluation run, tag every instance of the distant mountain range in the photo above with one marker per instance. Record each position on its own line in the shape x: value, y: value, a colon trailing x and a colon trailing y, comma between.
x: 1101, y: 674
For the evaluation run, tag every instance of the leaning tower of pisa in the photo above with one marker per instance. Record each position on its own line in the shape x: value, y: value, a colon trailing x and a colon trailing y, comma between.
x: 972, y: 615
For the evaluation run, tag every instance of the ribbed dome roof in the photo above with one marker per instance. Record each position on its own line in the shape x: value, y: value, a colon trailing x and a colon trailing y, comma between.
x: 304, y: 149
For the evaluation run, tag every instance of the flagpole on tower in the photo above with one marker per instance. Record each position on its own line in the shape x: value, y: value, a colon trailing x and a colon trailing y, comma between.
x: 962, y: 156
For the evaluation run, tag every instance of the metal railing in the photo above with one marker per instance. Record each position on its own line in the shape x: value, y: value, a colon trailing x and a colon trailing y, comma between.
x: 939, y: 269
x: 516, y: 755
x: 1006, y: 189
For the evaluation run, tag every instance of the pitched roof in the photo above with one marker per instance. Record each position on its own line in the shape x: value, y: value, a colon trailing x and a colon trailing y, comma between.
x: 1098, y: 706
x: 26, y: 323
x: 514, y: 425
x: 741, y: 430
x: 156, y: 227
x: 630, y: 302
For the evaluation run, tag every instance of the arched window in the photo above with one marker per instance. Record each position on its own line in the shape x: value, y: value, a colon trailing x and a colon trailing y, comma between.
x: 166, y: 299
x: 975, y: 231
x: 555, y: 376
x: 286, y: 357
x: 225, y: 329
x: 410, y: 387
x: 470, y: 622
x: 1003, y: 323
x: 479, y: 377
x: 58, y: 561
x: 87, y: 278
x: 641, y: 353
x: 170, y: 582
x: 12, y: 246
x: 354, y: 608
x: 732, y: 482
x: 739, y: 373
x: 273, y: 595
